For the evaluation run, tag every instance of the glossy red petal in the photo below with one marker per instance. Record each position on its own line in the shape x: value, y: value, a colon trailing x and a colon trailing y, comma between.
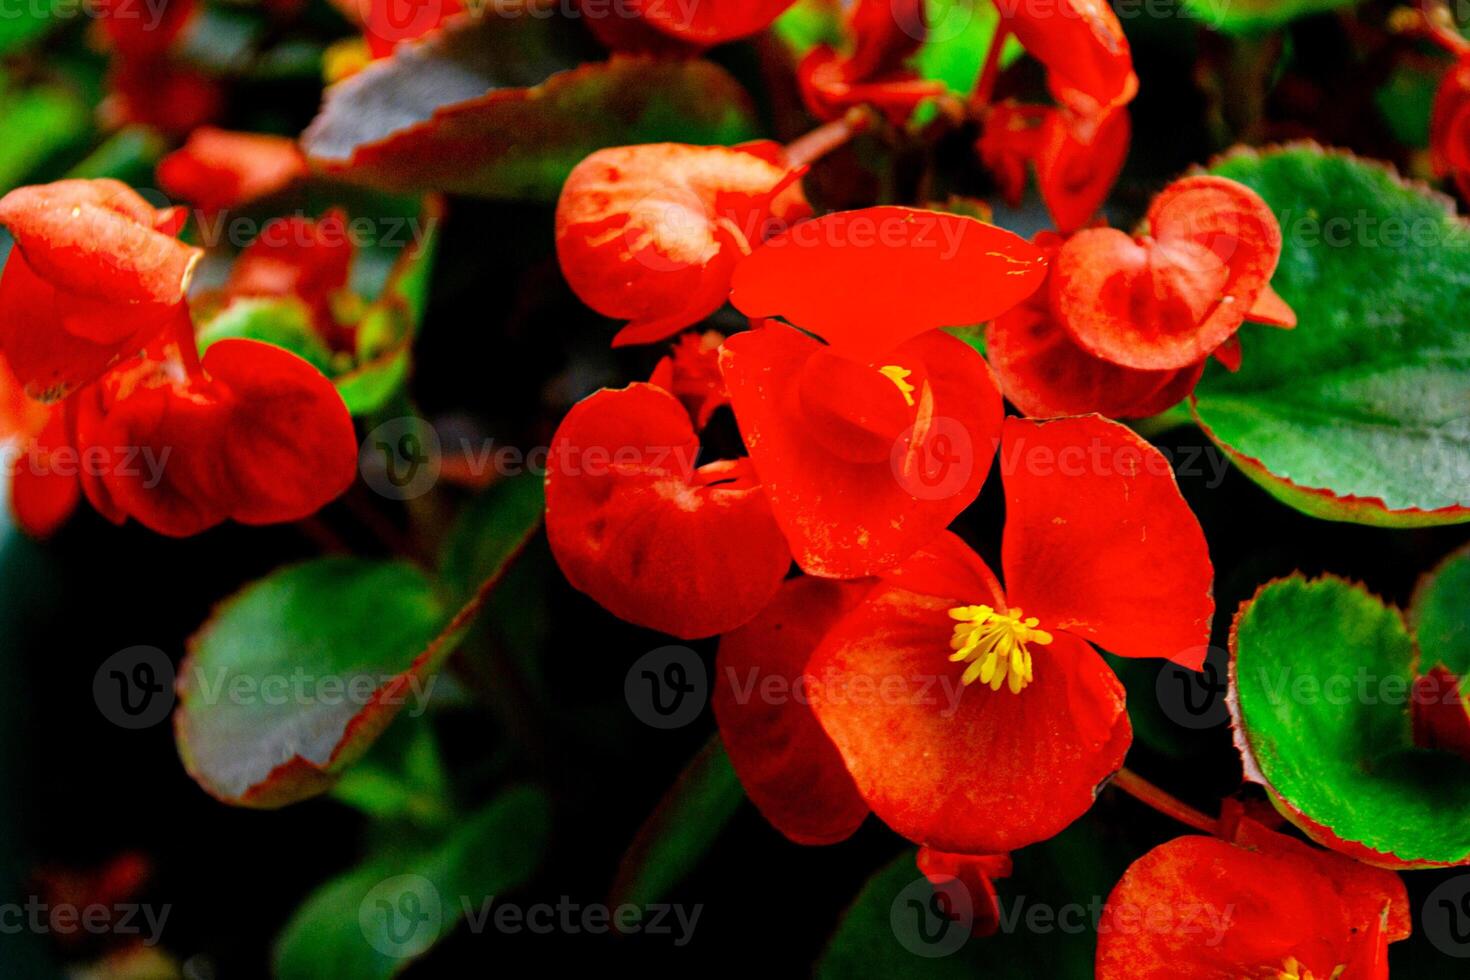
x: 1099, y: 542
x: 220, y: 168
x: 853, y: 491
x: 1046, y: 375
x: 1201, y: 907
x: 1270, y: 309
x: 632, y: 522
x: 691, y: 373
x: 790, y: 769
x: 976, y: 874
x: 652, y: 233
x: 1168, y: 301
x: 867, y: 281
x: 43, y: 486
x: 262, y: 438
x: 711, y: 21
x: 1075, y: 175
x: 1088, y: 63
x: 964, y: 769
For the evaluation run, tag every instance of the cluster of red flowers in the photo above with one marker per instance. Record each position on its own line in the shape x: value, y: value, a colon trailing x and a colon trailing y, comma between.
x: 105, y: 386
x: 970, y: 712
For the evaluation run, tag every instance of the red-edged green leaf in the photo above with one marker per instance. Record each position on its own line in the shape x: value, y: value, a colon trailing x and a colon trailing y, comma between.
x: 1440, y: 615
x: 294, y: 676
x: 1362, y: 413
x: 680, y: 830
x: 376, y: 919
x: 505, y: 107
x: 1320, y: 679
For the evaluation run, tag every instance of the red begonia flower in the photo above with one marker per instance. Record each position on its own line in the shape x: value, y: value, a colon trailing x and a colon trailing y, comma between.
x: 866, y: 281
x: 885, y: 33
x: 691, y: 373
x: 298, y: 256
x: 976, y: 874
x: 1169, y: 299
x: 1099, y: 548
x: 251, y: 433
x: 95, y: 274
x: 43, y: 482
x: 708, y: 22
x: 789, y: 767
x: 1089, y: 68
x: 864, y: 462
x: 1046, y: 375
x: 653, y: 539
x: 386, y: 23
x: 162, y: 93
x: 652, y: 233
x: 220, y: 168
x: 1264, y: 906
x: 1449, y: 126
x: 1073, y: 175
x: 138, y: 31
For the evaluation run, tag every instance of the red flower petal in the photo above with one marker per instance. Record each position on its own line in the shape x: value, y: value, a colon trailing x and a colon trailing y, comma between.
x: 1099, y: 542
x: 1449, y: 122
x: 1010, y: 140
x: 885, y: 34
x: 711, y: 21
x: 297, y: 256
x: 1075, y: 174
x: 692, y: 375
x: 1168, y: 301
x: 976, y: 874
x: 219, y: 168
x: 691, y: 552
x: 1088, y: 64
x: 866, y: 281
x: 1045, y: 374
x: 388, y: 22
x: 1441, y: 713
x: 1201, y: 907
x: 964, y: 769
x: 1270, y: 309
x: 262, y: 437
x: 652, y: 233
x: 160, y: 92
x: 861, y: 482
x: 43, y: 488
x: 790, y: 769
x: 143, y: 30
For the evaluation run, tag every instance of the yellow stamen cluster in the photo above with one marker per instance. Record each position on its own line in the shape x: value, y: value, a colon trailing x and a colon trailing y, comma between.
x: 899, y: 376
x: 994, y: 644
x: 1293, y: 970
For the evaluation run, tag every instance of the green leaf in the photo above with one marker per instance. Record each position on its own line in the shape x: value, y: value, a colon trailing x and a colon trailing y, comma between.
x: 27, y: 23
x: 294, y: 676
x: 1258, y: 16
x: 1407, y: 101
x: 809, y: 23
x: 1321, y: 674
x: 958, y: 40
x: 129, y: 155
x: 681, y: 829
x: 504, y: 107
x: 284, y: 322
x: 373, y: 921
x: 401, y: 779
x: 1440, y: 615
x: 41, y: 120
x: 1362, y: 413
x: 490, y: 532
